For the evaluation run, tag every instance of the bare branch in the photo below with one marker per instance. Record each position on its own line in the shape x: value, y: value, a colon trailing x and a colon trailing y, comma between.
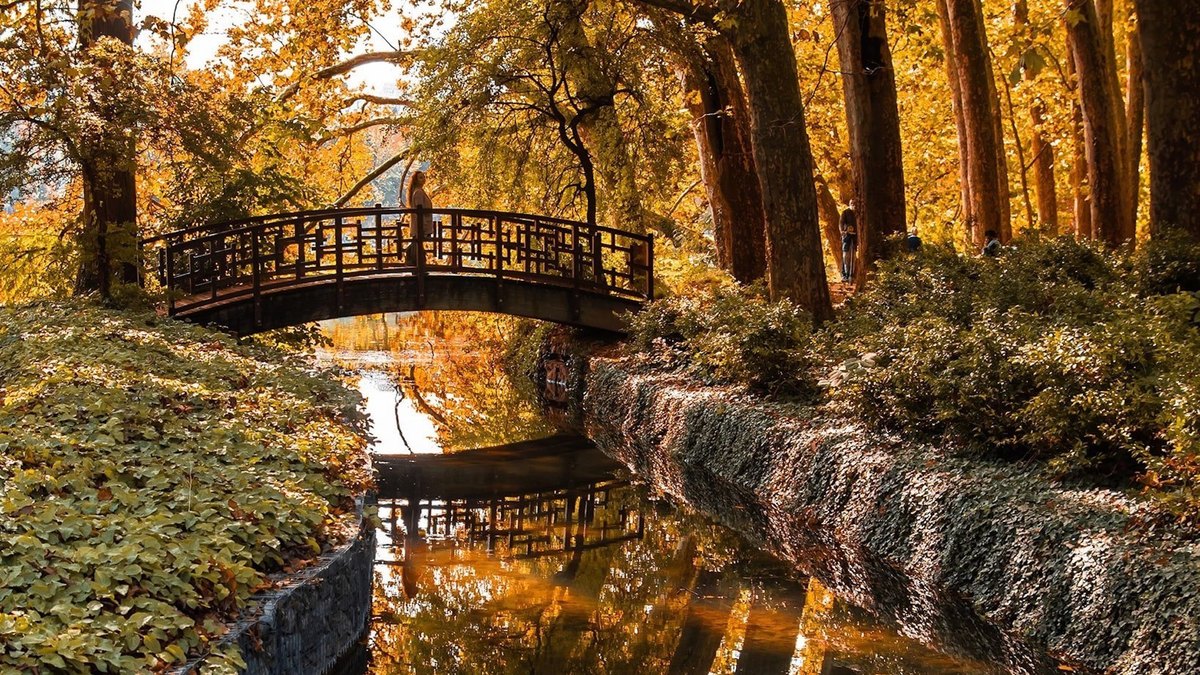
x: 701, y: 13
x: 369, y: 178
x: 378, y: 100
x: 355, y: 128
x: 397, y: 57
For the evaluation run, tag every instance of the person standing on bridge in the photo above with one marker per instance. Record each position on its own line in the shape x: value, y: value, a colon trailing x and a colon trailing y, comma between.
x: 418, y: 198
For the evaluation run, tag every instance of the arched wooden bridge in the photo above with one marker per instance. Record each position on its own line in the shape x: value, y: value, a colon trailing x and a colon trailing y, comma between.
x: 281, y: 270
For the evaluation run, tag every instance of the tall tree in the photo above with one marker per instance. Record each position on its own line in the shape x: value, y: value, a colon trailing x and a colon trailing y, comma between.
x: 969, y: 67
x: 107, y: 154
x: 721, y: 125
x: 873, y: 119
x: 1042, y: 152
x: 1080, y: 198
x: 1043, y: 170
x: 1168, y: 30
x: 1135, y: 109
x: 703, y: 626
x: 1103, y: 123
x: 795, y: 264
x: 758, y: 32
x: 596, y: 89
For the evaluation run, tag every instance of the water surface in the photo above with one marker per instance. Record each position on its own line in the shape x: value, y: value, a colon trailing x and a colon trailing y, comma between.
x: 506, y: 547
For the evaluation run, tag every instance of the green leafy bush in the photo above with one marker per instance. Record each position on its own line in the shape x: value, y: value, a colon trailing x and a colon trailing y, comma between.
x: 731, y: 335
x: 152, y: 474
x: 1055, y: 351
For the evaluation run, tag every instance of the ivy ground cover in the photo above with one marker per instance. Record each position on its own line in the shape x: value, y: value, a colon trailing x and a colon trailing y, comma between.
x: 152, y: 475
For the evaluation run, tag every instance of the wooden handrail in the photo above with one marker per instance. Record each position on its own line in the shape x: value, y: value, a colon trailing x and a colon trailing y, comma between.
x: 203, y: 265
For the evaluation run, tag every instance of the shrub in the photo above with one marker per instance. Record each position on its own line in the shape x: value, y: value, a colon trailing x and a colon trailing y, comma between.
x: 1055, y: 351
x: 731, y: 335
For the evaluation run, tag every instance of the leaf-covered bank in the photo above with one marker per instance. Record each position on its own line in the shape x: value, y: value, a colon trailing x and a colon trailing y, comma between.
x: 978, y: 558
x: 1077, y: 363
x: 152, y: 475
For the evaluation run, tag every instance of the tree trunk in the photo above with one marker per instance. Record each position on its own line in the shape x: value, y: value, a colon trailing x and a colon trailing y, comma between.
x: 1135, y: 113
x: 722, y: 129
x: 703, y: 627
x: 986, y: 195
x: 1103, y: 123
x: 827, y: 208
x: 108, y: 160
x: 771, y: 633
x: 964, y: 153
x: 872, y: 117
x: 1080, y: 202
x: 1043, y: 172
x: 1168, y: 30
x: 795, y: 264
x: 1005, y: 196
x: 601, y: 129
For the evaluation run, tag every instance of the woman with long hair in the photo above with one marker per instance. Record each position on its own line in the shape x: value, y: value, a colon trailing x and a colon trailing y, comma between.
x: 422, y: 224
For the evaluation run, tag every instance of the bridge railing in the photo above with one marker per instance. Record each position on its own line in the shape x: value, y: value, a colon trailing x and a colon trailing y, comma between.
x: 244, y: 259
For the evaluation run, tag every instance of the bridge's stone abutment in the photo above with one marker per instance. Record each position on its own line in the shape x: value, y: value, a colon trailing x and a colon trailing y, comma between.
x: 979, y: 560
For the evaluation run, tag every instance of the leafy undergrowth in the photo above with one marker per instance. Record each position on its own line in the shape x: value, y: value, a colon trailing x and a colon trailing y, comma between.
x: 1083, y: 362
x: 152, y: 474
x: 727, y: 334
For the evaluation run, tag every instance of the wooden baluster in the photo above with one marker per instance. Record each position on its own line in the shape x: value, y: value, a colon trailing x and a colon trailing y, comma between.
x: 419, y: 244
x: 530, y: 229
x: 170, y: 265
x: 378, y: 237
x: 650, y: 268
x: 498, y: 229
x: 576, y: 269
x: 256, y: 278
x: 337, y: 257
x: 598, y: 259
x: 217, y: 265
x: 455, y: 254
x: 301, y: 245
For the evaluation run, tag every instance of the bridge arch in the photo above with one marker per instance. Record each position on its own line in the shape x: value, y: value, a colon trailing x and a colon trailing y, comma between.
x: 281, y: 270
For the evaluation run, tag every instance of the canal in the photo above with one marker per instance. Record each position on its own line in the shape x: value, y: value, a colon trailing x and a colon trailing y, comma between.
x: 507, y: 546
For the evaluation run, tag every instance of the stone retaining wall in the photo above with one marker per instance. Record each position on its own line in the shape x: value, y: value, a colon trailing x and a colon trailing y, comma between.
x: 979, y: 560
x: 307, y: 626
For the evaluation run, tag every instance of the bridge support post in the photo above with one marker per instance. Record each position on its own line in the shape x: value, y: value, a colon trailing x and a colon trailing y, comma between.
x: 419, y: 245
x: 650, y: 270
x: 256, y: 277
x: 576, y: 271
x: 378, y: 238
x: 498, y: 261
x: 340, y: 271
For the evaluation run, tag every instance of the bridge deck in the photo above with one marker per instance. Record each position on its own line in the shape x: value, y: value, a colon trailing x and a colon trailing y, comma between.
x: 278, y: 270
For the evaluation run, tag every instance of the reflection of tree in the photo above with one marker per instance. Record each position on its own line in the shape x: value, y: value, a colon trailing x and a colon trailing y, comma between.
x: 685, y: 598
x: 704, y: 625
x: 450, y: 365
x: 772, y: 627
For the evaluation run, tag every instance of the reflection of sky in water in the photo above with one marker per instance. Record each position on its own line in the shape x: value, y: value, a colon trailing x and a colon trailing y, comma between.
x: 385, y: 406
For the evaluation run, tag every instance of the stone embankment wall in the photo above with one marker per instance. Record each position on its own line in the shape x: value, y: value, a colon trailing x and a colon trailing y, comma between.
x: 979, y: 560
x: 314, y: 619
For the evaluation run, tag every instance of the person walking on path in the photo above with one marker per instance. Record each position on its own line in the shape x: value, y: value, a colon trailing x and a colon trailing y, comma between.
x: 849, y: 229
x: 422, y: 225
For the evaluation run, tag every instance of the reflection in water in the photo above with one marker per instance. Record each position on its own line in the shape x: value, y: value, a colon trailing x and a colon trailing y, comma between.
x: 436, y: 381
x: 484, y: 575
x: 509, y: 555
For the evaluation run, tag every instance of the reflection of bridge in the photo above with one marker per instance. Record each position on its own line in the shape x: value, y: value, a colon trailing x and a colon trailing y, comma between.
x: 281, y: 270
x: 524, y: 500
